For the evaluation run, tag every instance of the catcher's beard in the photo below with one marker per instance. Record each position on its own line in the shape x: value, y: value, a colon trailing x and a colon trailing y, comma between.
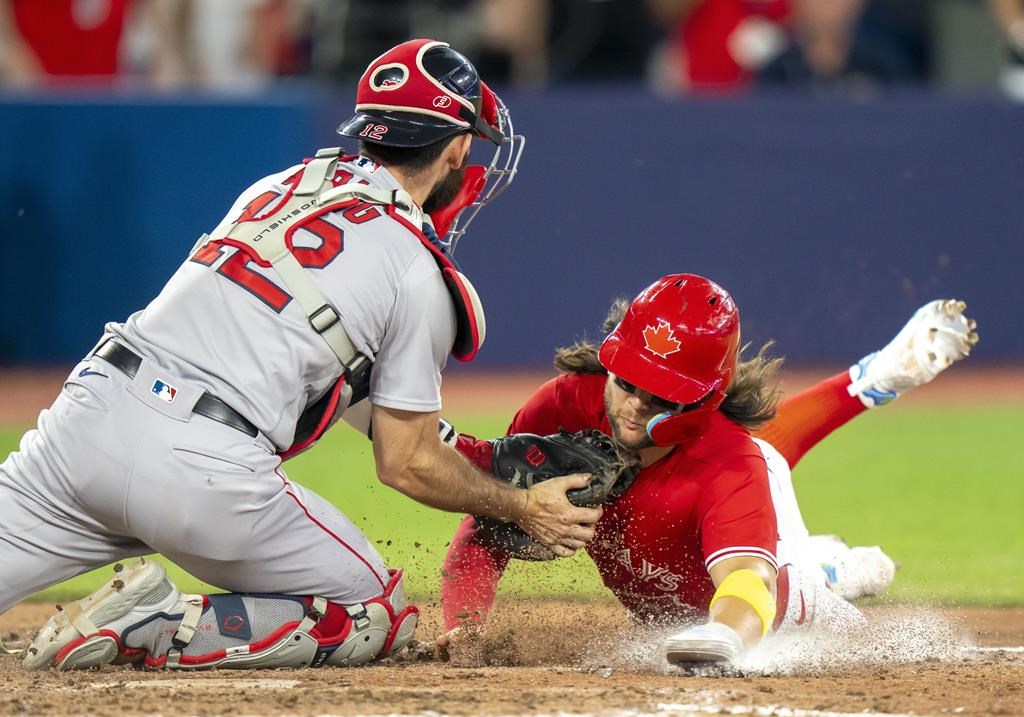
x: 445, y: 191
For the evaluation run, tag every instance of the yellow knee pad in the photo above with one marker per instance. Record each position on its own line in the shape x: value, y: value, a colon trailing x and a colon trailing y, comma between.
x: 746, y: 585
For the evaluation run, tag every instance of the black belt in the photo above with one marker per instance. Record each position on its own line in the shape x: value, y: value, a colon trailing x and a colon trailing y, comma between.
x: 127, y: 362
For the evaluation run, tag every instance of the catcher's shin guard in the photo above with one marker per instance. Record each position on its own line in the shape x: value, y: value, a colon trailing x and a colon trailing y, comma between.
x: 404, y: 617
x: 280, y: 631
x: 141, y: 615
x: 392, y: 622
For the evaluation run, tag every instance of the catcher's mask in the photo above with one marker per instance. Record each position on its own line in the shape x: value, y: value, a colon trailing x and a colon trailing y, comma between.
x: 679, y: 341
x: 422, y: 91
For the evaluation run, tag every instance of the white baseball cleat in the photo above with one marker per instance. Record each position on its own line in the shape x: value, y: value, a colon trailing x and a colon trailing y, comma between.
x: 937, y: 336
x: 88, y: 632
x: 853, y: 573
x: 710, y: 642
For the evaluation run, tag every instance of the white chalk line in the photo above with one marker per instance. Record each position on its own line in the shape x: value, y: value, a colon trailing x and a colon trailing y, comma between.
x: 764, y: 711
x: 665, y: 709
x: 706, y: 706
x: 194, y: 684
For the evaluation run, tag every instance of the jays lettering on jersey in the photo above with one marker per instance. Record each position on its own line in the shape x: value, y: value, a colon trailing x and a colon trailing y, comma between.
x: 702, y: 503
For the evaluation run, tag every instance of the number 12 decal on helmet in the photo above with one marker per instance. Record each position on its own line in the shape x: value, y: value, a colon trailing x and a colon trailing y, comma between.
x: 423, y: 91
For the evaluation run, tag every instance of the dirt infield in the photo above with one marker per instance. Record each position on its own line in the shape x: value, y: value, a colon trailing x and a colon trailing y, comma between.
x: 576, y: 659
x: 25, y: 392
x: 571, y: 658
x: 961, y: 386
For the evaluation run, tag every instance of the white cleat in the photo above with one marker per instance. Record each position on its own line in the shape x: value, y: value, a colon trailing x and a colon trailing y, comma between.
x: 88, y: 632
x: 710, y: 642
x: 853, y: 573
x: 937, y: 336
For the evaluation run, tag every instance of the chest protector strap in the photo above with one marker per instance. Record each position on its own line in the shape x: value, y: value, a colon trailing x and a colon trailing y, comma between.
x: 267, y: 242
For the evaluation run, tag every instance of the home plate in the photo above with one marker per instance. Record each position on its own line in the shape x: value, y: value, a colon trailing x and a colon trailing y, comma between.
x: 200, y: 684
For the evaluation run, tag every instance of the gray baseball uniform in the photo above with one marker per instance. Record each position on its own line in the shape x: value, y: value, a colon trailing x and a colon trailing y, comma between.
x: 122, y: 465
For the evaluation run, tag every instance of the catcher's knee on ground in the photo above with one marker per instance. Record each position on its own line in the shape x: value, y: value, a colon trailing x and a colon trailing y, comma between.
x: 141, y: 616
x: 243, y: 631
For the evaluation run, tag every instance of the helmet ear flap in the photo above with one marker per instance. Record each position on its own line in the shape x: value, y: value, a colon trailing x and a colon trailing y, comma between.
x: 669, y: 429
x: 488, y: 105
x: 488, y: 123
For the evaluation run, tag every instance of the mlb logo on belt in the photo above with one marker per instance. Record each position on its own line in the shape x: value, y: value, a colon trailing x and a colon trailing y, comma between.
x: 164, y: 391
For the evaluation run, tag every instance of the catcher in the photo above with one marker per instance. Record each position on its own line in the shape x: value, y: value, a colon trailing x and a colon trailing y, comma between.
x: 707, y: 530
x: 327, y: 284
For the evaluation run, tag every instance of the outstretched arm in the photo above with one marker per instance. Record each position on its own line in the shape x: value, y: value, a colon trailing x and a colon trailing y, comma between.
x: 742, y: 604
x: 469, y: 578
x: 739, y: 616
x: 412, y: 459
x: 471, y: 569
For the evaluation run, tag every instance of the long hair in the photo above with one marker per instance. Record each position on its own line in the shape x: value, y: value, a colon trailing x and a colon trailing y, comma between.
x: 752, y: 395
x: 581, y: 357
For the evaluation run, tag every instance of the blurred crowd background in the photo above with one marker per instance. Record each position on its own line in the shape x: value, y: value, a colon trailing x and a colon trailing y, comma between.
x: 671, y: 46
x: 834, y: 163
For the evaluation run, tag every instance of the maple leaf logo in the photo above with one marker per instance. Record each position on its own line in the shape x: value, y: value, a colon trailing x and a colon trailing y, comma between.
x: 660, y: 340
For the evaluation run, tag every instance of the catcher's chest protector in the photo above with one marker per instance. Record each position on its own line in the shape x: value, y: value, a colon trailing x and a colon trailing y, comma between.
x: 470, y: 325
x: 267, y: 241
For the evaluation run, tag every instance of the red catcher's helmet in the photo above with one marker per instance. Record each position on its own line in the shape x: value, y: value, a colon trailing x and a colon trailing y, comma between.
x: 422, y: 91
x: 679, y: 340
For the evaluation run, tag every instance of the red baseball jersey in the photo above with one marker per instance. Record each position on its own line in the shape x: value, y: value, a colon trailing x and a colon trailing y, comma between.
x: 73, y: 37
x: 700, y: 504
x: 705, y: 39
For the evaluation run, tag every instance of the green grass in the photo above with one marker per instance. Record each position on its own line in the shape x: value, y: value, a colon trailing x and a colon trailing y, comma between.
x: 941, y: 491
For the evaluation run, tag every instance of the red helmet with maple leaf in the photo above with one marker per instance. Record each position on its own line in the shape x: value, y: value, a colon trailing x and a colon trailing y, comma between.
x: 679, y: 340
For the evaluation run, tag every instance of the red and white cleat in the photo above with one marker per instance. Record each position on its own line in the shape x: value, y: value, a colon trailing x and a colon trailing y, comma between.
x: 852, y: 573
x: 937, y: 336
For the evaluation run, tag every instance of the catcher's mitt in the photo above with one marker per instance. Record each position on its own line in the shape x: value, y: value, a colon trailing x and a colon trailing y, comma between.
x: 523, y: 459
